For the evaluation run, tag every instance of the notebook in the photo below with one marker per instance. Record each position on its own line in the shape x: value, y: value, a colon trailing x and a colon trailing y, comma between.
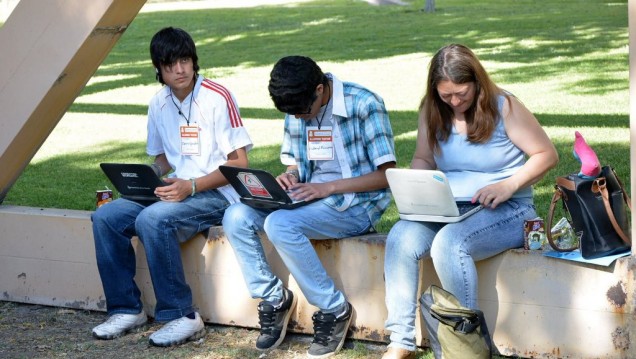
x: 133, y: 181
x: 426, y: 196
x: 259, y: 189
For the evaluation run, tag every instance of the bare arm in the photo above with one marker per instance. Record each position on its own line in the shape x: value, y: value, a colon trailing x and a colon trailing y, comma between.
x: 161, y: 165
x: 215, y: 179
x: 179, y: 188
x: 525, y: 132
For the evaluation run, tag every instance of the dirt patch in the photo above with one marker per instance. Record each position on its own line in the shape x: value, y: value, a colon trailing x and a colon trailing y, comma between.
x: 36, y: 331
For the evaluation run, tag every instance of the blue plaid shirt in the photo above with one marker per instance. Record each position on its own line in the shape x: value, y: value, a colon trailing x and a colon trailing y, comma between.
x: 362, y: 122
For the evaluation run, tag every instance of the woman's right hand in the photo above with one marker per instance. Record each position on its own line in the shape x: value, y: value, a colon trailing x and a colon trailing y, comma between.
x: 494, y: 194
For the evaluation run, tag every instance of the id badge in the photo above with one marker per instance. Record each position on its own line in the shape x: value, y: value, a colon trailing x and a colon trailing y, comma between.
x: 320, y: 143
x: 190, y: 140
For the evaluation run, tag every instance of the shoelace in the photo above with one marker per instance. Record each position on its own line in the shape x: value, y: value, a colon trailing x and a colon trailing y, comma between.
x: 323, y: 327
x: 266, y: 319
x: 171, y: 325
x: 115, y: 319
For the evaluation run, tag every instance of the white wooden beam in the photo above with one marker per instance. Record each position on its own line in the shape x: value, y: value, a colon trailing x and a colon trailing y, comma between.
x: 50, y: 49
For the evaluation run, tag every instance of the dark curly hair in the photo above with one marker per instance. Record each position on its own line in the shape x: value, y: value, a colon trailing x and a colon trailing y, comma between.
x: 168, y: 46
x: 293, y: 82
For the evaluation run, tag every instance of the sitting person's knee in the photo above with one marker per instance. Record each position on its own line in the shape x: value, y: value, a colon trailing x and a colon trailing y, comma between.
x: 235, y: 217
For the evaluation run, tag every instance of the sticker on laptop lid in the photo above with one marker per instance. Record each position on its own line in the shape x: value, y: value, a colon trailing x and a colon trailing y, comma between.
x: 253, y: 185
x: 439, y: 178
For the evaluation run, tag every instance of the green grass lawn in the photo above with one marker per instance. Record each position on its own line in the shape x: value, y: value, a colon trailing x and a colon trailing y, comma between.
x: 566, y: 60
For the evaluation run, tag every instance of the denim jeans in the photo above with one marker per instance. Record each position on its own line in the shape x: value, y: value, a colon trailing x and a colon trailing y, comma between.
x: 290, y: 231
x: 454, y: 248
x: 161, y: 227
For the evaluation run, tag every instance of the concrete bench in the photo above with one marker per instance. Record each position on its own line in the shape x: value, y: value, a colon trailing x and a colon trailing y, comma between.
x: 535, y: 306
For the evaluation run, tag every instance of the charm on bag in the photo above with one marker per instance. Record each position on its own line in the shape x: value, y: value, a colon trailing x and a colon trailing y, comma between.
x: 563, y: 234
x: 590, y: 165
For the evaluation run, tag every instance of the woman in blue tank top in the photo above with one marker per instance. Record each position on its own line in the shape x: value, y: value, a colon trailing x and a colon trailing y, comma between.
x: 492, y: 149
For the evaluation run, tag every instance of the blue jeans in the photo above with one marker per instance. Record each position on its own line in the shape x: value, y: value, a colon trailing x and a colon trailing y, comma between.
x: 454, y: 248
x: 161, y: 227
x: 289, y: 231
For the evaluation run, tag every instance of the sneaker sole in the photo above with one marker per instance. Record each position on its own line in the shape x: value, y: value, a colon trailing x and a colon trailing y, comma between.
x: 344, y: 338
x: 284, y: 330
x: 198, y: 335
x: 115, y: 336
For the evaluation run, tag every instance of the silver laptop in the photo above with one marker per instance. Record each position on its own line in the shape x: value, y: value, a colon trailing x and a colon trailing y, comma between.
x: 426, y: 196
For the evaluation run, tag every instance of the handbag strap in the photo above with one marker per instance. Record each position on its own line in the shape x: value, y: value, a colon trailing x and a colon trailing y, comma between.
x: 600, y: 185
x: 556, y: 197
x: 620, y: 184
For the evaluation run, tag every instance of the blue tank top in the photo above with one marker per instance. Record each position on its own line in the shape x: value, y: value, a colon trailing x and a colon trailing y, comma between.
x: 471, y: 166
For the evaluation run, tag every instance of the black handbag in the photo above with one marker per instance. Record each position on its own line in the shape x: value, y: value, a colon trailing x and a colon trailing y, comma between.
x: 598, y: 213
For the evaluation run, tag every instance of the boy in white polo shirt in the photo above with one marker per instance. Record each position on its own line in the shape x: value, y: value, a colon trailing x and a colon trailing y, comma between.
x: 194, y: 126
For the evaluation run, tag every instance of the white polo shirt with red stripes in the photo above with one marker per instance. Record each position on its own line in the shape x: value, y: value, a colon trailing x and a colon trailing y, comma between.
x: 211, y: 108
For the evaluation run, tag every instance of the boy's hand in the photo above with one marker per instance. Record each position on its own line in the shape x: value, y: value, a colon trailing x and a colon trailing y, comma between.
x: 176, y: 190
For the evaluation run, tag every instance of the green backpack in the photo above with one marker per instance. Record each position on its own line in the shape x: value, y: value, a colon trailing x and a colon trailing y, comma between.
x: 454, y: 332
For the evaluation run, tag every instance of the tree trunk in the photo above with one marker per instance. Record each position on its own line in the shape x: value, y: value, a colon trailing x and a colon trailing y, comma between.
x: 429, y: 6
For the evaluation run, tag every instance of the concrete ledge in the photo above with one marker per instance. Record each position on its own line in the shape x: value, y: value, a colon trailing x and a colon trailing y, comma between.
x: 535, y: 306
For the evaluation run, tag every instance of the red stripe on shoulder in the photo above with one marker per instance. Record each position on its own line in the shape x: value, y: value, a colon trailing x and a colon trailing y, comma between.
x: 235, y: 117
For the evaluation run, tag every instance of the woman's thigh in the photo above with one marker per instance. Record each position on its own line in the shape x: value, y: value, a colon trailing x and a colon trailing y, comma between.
x: 486, y: 233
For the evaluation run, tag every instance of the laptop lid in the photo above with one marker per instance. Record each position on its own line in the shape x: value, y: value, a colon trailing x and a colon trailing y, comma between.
x: 426, y: 195
x: 259, y: 188
x: 133, y: 181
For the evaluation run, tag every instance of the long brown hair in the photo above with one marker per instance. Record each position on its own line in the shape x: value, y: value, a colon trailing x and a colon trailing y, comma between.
x: 458, y: 64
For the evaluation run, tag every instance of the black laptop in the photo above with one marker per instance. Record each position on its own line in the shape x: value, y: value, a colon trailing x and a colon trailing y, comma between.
x: 133, y: 181
x: 259, y: 189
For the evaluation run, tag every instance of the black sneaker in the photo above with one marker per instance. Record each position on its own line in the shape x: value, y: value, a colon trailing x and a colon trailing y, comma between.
x: 273, y: 321
x: 329, y: 333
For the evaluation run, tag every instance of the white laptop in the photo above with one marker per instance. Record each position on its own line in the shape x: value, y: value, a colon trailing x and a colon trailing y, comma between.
x: 426, y: 196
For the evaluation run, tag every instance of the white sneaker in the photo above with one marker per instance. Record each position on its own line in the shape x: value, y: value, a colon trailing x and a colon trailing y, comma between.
x: 179, y: 331
x: 119, y: 324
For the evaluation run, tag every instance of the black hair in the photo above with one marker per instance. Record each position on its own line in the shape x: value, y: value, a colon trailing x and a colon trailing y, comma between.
x: 293, y: 82
x: 169, y: 45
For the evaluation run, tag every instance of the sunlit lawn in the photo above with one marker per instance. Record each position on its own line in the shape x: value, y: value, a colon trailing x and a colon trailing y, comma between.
x: 566, y: 60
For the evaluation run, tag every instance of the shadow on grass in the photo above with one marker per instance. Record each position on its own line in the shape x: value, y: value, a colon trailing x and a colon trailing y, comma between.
x: 127, y: 109
x: 543, y: 41
x: 78, y: 175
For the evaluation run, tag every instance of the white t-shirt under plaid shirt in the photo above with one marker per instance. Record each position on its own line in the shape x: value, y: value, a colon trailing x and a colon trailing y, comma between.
x: 361, y: 123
